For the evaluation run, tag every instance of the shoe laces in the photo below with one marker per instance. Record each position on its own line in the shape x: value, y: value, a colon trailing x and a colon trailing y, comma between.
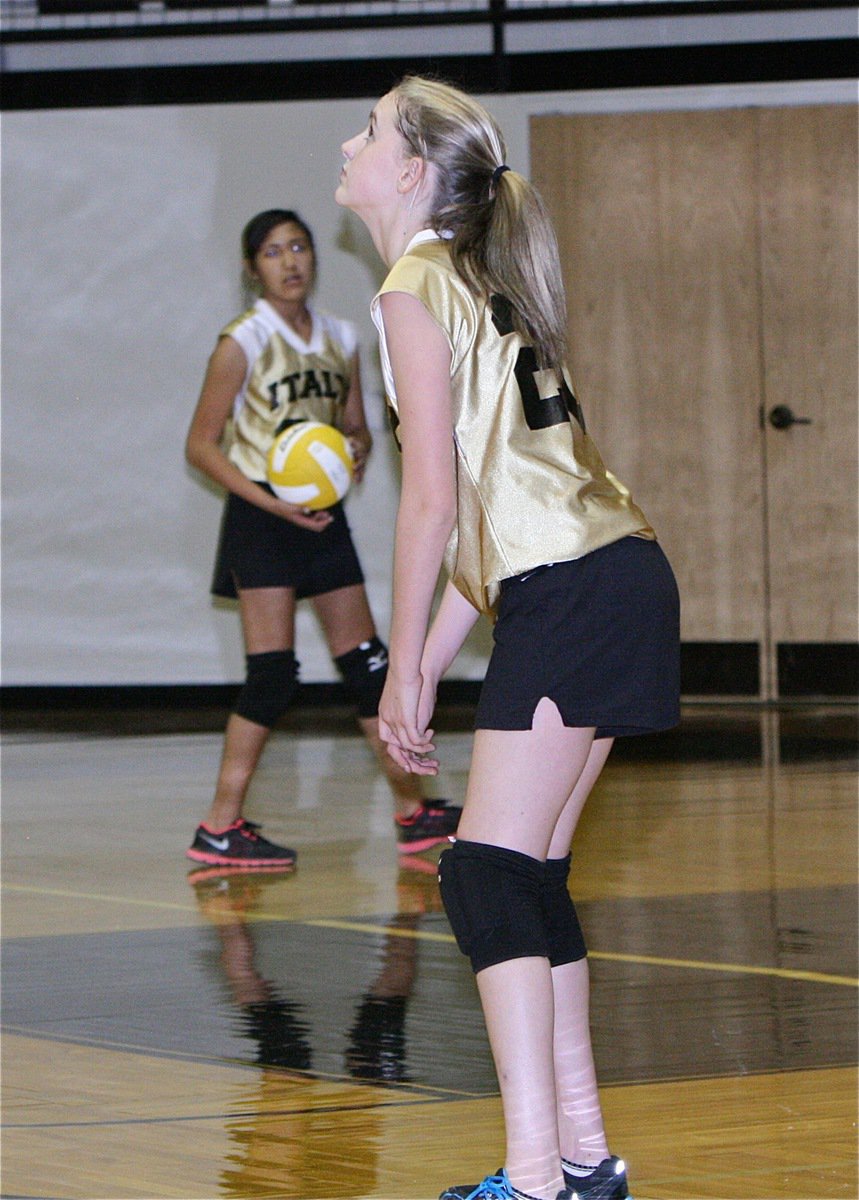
x: 248, y: 829
x: 493, y: 1187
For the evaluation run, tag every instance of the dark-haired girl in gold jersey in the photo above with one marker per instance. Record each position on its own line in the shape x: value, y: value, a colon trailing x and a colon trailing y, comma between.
x: 284, y: 360
x: 503, y: 485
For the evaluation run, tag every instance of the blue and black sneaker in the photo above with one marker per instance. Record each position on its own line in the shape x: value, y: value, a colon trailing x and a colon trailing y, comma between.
x: 605, y: 1182
x: 496, y: 1187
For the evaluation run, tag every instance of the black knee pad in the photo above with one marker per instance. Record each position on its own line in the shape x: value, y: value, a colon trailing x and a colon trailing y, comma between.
x: 270, y: 684
x: 494, y: 902
x: 364, y: 672
x: 566, y: 940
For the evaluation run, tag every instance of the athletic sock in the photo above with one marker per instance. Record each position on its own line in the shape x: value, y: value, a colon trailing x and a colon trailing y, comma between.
x: 577, y: 1169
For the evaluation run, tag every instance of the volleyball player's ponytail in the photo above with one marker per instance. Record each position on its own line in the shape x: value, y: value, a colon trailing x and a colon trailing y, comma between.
x: 503, y: 239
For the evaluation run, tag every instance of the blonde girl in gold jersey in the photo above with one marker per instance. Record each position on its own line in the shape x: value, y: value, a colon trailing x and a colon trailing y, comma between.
x: 503, y: 485
x: 284, y: 360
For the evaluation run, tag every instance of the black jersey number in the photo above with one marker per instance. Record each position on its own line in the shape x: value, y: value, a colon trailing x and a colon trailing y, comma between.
x: 541, y: 412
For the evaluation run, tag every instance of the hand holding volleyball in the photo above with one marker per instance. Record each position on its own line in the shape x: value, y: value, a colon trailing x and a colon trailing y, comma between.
x: 310, y: 464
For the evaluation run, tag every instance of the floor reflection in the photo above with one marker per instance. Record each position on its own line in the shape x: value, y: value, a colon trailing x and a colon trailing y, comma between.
x: 291, y: 1143
x: 282, y: 1143
x: 377, y: 1040
x: 263, y: 1014
x: 376, y: 1045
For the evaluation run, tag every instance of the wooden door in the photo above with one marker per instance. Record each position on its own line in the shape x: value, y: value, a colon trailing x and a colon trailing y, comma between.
x: 808, y: 202
x: 661, y: 222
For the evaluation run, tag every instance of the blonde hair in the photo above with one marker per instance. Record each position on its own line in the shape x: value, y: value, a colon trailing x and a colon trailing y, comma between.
x: 503, y: 239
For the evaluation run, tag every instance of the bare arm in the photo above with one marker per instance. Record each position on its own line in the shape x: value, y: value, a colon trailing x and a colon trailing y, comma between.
x: 420, y: 360
x: 451, y: 626
x: 224, y: 377
x: 355, y: 420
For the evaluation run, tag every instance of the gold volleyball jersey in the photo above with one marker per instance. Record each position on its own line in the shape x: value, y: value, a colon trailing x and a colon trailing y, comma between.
x: 531, y: 486
x: 287, y: 379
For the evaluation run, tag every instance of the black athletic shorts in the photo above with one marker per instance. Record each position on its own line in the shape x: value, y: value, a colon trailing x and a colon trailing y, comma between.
x: 257, y: 549
x: 599, y: 635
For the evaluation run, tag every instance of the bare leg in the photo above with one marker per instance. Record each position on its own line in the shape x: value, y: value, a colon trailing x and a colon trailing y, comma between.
x: 562, y: 835
x: 517, y: 1005
x: 580, y: 1121
x: 345, y: 617
x: 347, y: 621
x: 244, y: 742
x: 520, y: 784
x: 268, y: 623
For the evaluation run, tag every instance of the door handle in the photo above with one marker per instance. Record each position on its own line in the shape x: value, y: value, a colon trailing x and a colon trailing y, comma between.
x: 781, y: 417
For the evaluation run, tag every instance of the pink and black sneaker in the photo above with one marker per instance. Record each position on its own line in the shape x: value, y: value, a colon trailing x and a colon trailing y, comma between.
x: 434, y: 822
x: 239, y: 845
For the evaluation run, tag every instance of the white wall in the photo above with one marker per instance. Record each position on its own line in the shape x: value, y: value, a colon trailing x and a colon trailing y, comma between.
x: 120, y: 260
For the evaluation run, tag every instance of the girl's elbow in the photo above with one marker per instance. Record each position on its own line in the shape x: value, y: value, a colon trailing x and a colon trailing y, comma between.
x: 194, y: 451
x: 429, y: 499
x: 443, y: 501
x: 448, y: 517
x: 432, y: 514
x: 440, y: 513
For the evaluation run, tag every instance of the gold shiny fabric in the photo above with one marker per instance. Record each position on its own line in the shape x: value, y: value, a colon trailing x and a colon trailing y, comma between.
x: 525, y: 495
x: 287, y: 380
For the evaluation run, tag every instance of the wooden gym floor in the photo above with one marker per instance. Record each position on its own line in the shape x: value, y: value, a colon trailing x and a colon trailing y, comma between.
x: 317, y: 1035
